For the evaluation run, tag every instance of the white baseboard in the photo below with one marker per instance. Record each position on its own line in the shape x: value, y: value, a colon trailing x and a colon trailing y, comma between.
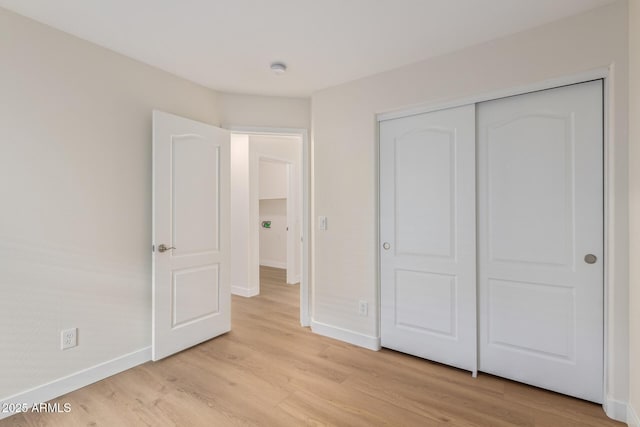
x: 616, y: 409
x: 274, y: 264
x: 64, y: 385
x: 245, y: 292
x: 632, y: 417
x: 294, y: 281
x: 346, y: 335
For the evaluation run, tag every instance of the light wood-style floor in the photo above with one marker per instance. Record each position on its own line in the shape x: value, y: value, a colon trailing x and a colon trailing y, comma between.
x: 271, y: 372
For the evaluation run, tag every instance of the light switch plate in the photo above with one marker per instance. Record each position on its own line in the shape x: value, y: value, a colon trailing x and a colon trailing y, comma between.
x: 322, y: 222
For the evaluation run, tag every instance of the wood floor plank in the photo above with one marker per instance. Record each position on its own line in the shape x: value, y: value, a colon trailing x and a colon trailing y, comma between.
x: 269, y: 371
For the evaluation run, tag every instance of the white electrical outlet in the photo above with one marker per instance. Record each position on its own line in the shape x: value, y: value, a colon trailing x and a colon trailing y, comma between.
x: 363, y: 307
x: 68, y: 338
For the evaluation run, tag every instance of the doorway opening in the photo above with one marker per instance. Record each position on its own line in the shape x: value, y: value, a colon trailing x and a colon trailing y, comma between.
x: 269, y: 210
x: 278, y: 217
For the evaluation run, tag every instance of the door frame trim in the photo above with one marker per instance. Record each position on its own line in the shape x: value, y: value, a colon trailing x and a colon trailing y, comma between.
x: 596, y: 74
x: 305, y: 261
x: 603, y: 73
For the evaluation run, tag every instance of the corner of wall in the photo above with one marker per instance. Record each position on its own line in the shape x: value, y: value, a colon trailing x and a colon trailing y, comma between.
x: 346, y: 335
x: 632, y: 417
x: 616, y: 409
x: 244, y: 291
x: 634, y: 211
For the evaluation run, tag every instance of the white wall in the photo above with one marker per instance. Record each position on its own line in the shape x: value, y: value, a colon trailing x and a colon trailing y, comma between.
x: 75, y: 223
x: 273, y: 241
x: 240, y: 216
x: 345, y: 160
x: 273, y: 180
x: 634, y: 215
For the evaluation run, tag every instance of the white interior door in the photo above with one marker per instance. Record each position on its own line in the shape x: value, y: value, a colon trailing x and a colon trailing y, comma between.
x: 191, y: 217
x: 427, y: 233
x: 541, y: 239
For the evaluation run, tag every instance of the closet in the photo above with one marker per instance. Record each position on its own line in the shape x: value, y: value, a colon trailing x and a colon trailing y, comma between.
x: 491, y: 234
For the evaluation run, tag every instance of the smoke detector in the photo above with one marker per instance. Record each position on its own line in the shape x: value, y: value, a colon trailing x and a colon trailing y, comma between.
x: 278, y: 68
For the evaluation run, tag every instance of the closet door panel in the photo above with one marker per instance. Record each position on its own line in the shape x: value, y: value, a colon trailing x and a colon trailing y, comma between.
x: 540, y: 224
x: 530, y: 181
x: 427, y: 230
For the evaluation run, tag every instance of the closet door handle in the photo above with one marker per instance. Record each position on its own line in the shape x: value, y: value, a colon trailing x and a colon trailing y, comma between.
x: 386, y: 246
x: 590, y: 258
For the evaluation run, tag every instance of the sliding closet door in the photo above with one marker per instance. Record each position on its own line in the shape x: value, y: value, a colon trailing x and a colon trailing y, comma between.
x: 427, y: 236
x: 540, y: 231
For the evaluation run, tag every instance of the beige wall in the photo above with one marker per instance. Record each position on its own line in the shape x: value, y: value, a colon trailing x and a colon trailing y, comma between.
x: 634, y: 202
x: 75, y: 158
x: 345, y: 157
x: 75, y: 230
x: 264, y: 111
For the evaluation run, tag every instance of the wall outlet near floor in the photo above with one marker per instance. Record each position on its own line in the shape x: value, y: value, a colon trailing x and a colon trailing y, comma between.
x: 68, y: 338
x: 363, y: 308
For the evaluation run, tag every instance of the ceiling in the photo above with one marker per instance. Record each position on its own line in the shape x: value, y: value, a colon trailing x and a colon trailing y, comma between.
x: 228, y: 45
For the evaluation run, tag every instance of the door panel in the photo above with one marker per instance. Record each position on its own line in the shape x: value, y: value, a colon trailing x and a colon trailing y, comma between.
x: 530, y: 172
x: 419, y: 162
x: 426, y: 302
x: 540, y: 212
x: 514, y: 307
x: 195, y: 180
x: 427, y: 230
x: 195, y: 294
x: 191, y: 289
